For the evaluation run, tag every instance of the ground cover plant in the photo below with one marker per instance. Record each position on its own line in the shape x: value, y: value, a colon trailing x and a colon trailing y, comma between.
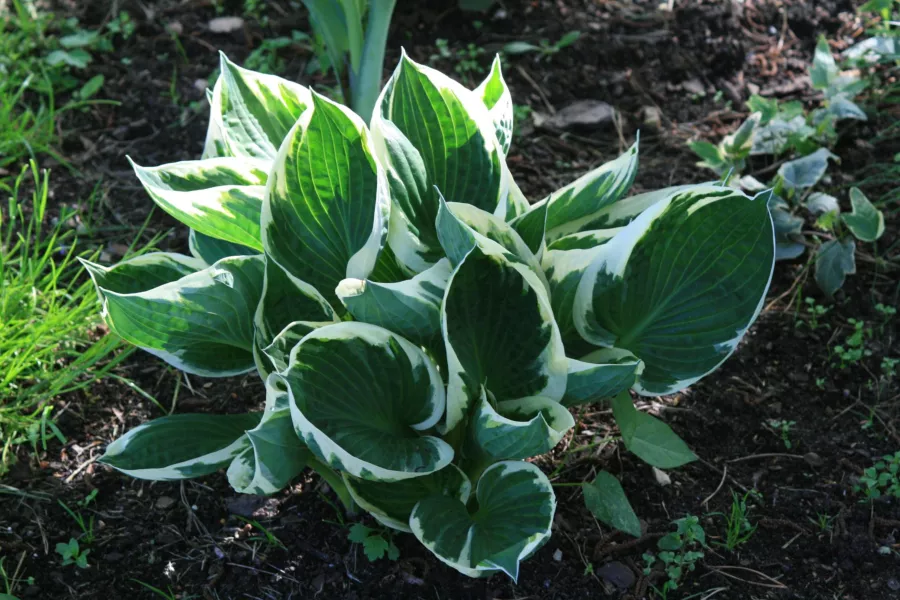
x: 420, y: 327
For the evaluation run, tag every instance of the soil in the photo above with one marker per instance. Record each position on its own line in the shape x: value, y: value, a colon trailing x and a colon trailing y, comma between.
x: 189, y: 537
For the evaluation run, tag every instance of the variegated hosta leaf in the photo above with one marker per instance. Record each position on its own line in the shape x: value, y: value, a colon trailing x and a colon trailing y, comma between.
x: 201, y: 323
x: 325, y: 215
x: 499, y: 333
x: 564, y: 262
x: 516, y: 202
x: 410, y: 308
x: 215, y: 145
x: 275, y: 454
x: 519, y: 429
x: 532, y: 227
x: 279, y: 351
x: 432, y: 132
x: 618, y: 214
x: 393, y: 503
x: 211, y: 250
x: 496, y: 97
x: 220, y: 197
x: 462, y: 227
x: 361, y: 396
x: 515, y: 512
x: 257, y: 110
x: 680, y: 285
x: 143, y: 272
x: 286, y: 300
x: 601, y: 374
x: 180, y: 446
x: 591, y: 192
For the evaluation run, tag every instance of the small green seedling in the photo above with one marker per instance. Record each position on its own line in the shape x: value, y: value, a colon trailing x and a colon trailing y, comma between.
x: 545, y: 49
x: 853, y: 349
x: 72, y: 554
x: 815, y: 311
x: 87, y: 527
x: 168, y: 594
x: 679, y: 553
x: 820, y: 383
x: 822, y: 521
x: 267, y: 538
x: 881, y: 479
x: 784, y: 428
x: 738, y: 528
x: 376, y: 542
x: 889, y: 367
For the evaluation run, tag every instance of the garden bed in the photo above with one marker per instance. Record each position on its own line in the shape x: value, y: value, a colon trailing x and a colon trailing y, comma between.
x: 661, y: 71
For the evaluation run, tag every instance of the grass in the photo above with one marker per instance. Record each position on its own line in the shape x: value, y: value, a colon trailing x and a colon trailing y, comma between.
x: 40, y: 58
x: 49, y: 338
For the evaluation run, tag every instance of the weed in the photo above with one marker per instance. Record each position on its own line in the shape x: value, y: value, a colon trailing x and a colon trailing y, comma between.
x: 815, y: 311
x: 269, y: 538
x: 822, y: 521
x: 820, y: 383
x: 783, y: 427
x: 853, y: 349
x: 376, y: 542
x: 889, y: 367
x: 48, y: 311
x: 71, y: 553
x: 168, y: 594
x: 881, y: 479
x: 737, y: 526
x: 544, y: 49
x: 87, y: 527
x: 466, y: 59
x: 679, y: 553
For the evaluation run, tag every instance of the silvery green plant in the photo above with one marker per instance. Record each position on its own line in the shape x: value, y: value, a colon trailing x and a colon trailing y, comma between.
x: 422, y: 329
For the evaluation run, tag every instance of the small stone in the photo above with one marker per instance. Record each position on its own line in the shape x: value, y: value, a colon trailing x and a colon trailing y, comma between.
x: 893, y: 584
x: 661, y: 477
x: 617, y: 574
x: 651, y: 116
x: 693, y: 86
x: 557, y: 555
x: 164, y: 502
x: 813, y: 459
x: 584, y: 113
x: 225, y: 24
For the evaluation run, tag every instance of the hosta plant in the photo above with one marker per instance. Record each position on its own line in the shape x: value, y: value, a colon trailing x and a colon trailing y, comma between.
x: 421, y: 329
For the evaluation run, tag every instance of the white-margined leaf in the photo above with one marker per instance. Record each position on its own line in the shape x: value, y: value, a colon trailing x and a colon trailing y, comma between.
x: 143, y: 272
x: 818, y: 203
x: 215, y: 146
x: 220, y: 197
x: 601, y: 374
x: 495, y: 95
x: 515, y: 508
x: 326, y: 210
x: 564, y: 263
x: 211, y: 250
x: 680, y: 285
x: 618, y: 214
x: 257, y: 110
x: 532, y: 228
x: 499, y: 332
x: 453, y: 132
x: 410, y: 308
x: 286, y: 300
x: 279, y: 351
x: 274, y: 454
x: 361, y: 398
x: 823, y: 70
x: 392, y: 503
x: 866, y: 222
x: 592, y: 192
x: 180, y: 446
x: 462, y: 227
x: 835, y: 260
x: 521, y: 428
x: 201, y: 323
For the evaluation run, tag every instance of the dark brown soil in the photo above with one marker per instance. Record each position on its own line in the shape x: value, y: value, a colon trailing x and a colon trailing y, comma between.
x: 632, y: 55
